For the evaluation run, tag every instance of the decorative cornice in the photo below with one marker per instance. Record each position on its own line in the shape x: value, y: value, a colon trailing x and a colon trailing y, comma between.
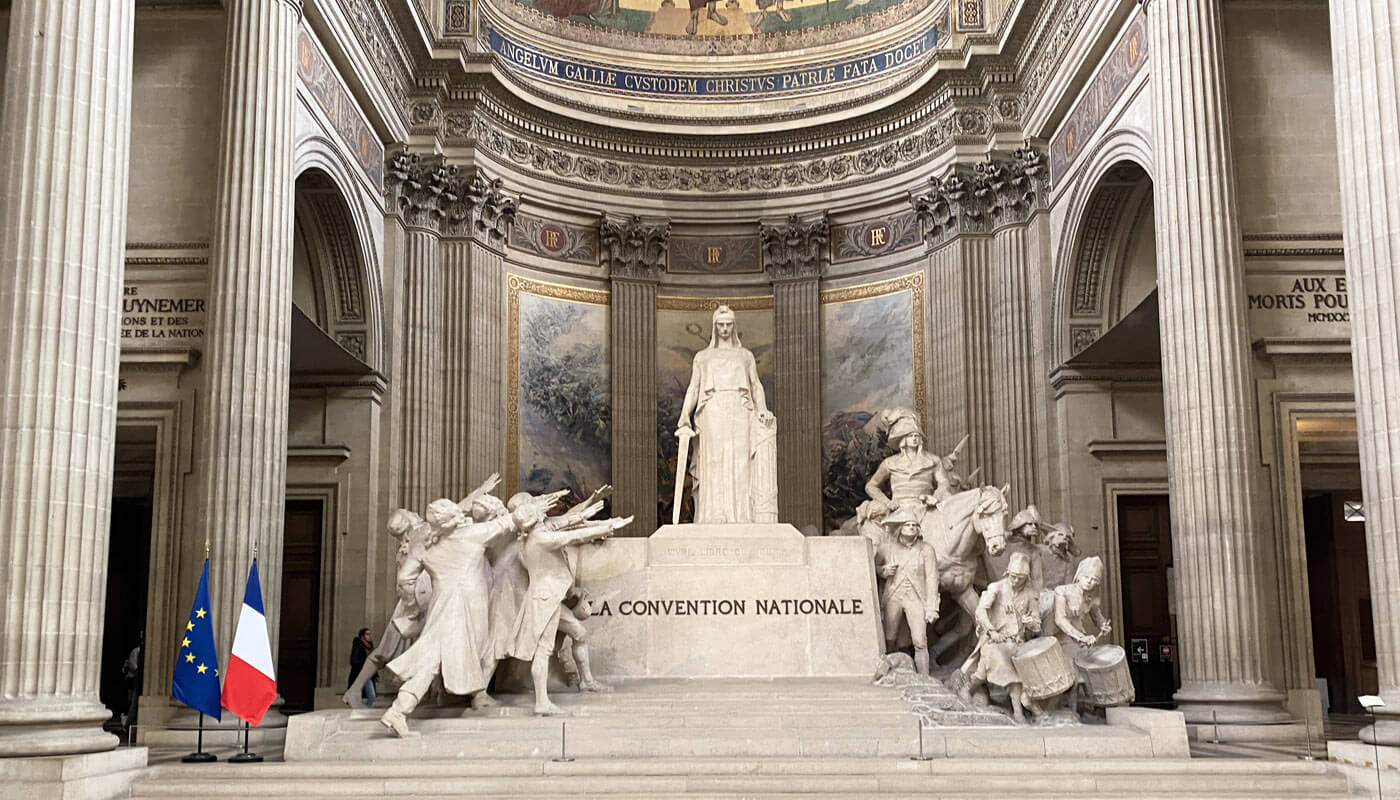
x: 634, y: 248
x: 794, y: 249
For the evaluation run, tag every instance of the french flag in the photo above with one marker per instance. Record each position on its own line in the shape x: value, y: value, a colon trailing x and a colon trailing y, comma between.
x: 251, y: 683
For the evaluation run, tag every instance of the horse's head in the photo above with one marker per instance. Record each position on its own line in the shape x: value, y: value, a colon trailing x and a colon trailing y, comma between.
x: 989, y: 517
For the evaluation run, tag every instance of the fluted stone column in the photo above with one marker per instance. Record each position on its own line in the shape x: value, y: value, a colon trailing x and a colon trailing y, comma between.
x: 421, y: 190
x: 64, y: 133
x: 1366, y: 78
x: 1213, y: 457
x: 241, y: 431
x: 1016, y: 183
x: 456, y: 359
x: 795, y: 256
x: 493, y: 212
x: 635, y: 251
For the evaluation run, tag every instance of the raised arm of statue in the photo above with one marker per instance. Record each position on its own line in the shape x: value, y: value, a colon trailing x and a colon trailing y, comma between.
x: 555, y: 539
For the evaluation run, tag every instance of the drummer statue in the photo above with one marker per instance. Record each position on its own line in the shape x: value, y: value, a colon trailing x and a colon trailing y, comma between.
x: 1079, y: 605
x: 1007, y: 615
x: 909, y: 568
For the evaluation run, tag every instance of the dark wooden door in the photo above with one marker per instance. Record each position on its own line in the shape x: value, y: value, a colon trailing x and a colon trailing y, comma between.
x: 1339, y: 592
x: 299, y: 633
x: 1145, y: 555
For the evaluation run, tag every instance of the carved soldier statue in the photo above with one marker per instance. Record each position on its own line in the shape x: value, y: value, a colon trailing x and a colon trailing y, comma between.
x: 909, y: 568
x: 551, y: 559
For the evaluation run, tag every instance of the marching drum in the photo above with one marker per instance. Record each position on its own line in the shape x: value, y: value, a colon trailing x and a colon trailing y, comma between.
x: 1104, y: 671
x: 1044, y: 668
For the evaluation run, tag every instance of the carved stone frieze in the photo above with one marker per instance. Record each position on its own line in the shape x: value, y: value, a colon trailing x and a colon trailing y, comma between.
x: 584, y: 165
x: 1063, y: 23
x: 634, y: 247
x: 795, y: 249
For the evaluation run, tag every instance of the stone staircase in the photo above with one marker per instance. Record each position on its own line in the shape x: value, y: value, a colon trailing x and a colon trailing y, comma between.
x: 754, y: 779
x: 818, y: 738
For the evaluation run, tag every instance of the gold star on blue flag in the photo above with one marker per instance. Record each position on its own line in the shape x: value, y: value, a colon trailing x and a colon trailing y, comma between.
x: 196, y: 684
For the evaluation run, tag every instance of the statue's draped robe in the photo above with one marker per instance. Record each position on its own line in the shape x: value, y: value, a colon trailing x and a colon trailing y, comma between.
x: 455, y: 641
x: 723, y: 378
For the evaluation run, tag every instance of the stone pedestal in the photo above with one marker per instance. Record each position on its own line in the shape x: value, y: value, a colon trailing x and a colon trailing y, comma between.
x: 1213, y: 460
x: 1365, y: 51
x: 64, y: 134
x: 733, y: 601
x: 93, y: 776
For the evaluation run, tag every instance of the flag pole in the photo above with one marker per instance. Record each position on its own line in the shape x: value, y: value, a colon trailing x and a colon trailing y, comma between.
x: 199, y: 756
x: 246, y: 757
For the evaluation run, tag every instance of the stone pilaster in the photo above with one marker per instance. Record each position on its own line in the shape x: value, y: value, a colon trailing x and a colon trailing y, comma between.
x: 493, y: 211
x: 242, y: 426
x: 1213, y: 459
x: 635, y: 253
x: 421, y: 189
x: 1015, y: 186
x: 456, y: 360
x: 1365, y: 53
x: 795, y: 256
x: 955, y: 222
x: 64, y: 133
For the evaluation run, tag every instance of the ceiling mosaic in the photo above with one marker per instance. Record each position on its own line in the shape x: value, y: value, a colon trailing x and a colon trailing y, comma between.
x: 713, y: 27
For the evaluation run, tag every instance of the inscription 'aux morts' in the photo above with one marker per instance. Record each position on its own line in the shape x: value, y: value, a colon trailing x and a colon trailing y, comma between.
x: 853, y: 70
x: 805, y: 606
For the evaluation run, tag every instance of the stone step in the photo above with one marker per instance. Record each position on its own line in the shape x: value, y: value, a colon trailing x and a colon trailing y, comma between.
x: 294, y: 781
x: 1285, y: 769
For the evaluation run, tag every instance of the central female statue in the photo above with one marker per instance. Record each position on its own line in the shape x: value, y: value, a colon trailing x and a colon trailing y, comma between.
x: 736, y: 454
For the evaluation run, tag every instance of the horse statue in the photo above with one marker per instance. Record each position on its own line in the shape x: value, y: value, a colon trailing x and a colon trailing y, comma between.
x: 960, y: 527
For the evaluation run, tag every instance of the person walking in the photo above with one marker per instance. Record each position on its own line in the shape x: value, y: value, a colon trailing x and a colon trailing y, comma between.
x: 360, y: 649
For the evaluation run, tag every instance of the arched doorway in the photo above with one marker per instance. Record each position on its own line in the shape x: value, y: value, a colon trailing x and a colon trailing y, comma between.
x: 332, y: 424
x: 1107, y: 326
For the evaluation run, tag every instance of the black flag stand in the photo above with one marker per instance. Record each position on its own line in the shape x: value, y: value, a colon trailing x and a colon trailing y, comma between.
x: 245, y: 757
x: 199, y: 756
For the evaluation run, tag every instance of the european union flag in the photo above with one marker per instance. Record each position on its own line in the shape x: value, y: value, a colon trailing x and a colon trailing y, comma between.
x: 197, y: 667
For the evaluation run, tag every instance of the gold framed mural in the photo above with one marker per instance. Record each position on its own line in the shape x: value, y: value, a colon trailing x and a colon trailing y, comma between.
x: 558, y: 387
x: 874, y: 356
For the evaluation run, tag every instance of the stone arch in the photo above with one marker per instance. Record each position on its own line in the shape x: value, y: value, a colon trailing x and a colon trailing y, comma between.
x: 342, y: 246
x: 1105, y: 206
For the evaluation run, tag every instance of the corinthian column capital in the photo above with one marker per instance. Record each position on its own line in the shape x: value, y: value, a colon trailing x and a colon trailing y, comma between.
x: 421, y: 188
x: 634, y: 247
x: 795, y: 249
